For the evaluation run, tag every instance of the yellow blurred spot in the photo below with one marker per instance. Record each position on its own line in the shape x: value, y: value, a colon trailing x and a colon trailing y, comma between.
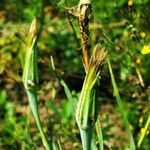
x: 130, y: 2
x: 141, y: 119
x: 142, y: 131
x: 47, y: 10
x: 131, y: 127
x: 2, y: 15
x: 132, y: 36
x: 145, y: 110
x: 145, y: 50
x: 2, y: 41
x: 143, y: 34
x: 138, y: 60
x: 74, y: 131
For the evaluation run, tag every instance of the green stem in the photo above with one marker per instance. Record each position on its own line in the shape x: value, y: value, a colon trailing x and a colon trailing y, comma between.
x: 32, y: 95
x: 99, y: 134
x: 144, y: 133
x: 86, y: 138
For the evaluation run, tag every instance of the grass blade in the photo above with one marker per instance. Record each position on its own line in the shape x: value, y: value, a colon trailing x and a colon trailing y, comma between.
x: 120, y: 105
x: 64, y: 84
x: 99, y: 134
x: 144, y: 133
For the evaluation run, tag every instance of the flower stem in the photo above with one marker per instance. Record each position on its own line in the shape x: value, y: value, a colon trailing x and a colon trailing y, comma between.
x: 32, y: 96
x: 86, y: 137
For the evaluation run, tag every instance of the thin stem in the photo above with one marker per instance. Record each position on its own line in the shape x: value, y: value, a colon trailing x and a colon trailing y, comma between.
x: 144, y: 133
x: 33, y: 103
x: 139, y: 76
x: 99, y: 134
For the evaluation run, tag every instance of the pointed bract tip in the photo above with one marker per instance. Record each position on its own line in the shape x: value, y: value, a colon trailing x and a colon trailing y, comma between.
x: 33, y: 30
x: 98, y: 55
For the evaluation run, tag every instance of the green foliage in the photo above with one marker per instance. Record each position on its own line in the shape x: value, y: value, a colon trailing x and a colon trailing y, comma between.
x: 121, y: 108
x: 13, y: 135
x: 122, y: 28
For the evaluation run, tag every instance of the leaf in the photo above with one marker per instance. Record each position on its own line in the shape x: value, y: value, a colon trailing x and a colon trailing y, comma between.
x: 53, y: 107
x: 99, y: 134
x: 120, y: 105
x: 68, y: 94
x: 144, y: 133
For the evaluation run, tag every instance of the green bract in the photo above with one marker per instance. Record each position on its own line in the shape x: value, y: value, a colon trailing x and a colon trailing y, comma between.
x: 30, y: 78
x: 30, y: 73
x: 87, y: 109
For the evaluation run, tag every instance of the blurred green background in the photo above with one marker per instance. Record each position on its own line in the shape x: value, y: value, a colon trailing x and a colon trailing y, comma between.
x: 122, y: 26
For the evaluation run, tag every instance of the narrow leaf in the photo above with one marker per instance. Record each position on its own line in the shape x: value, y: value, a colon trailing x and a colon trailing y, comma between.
x: 99, y: 134
x: 144, y: 133
x: 120, y: 105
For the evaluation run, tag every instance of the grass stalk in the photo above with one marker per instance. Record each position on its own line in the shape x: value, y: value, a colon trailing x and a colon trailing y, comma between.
x: 121, y: 108
x: 99, y: 134
x: 32, y: 96
x: 147, y: 125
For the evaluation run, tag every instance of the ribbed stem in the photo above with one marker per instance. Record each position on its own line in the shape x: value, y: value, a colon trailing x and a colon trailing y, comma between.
x: 86, y: 138
x: 99, y: 134
x: 33, y: 103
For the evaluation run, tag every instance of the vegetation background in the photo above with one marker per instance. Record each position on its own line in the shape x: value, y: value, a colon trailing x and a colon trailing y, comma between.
x: 121, y: 26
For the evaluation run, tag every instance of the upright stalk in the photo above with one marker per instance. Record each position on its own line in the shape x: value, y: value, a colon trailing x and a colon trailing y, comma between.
x: 87, y: 108
x: 86, y: 137
x: 99, y: 134
x: 30, y: 79
x: 144, y: 133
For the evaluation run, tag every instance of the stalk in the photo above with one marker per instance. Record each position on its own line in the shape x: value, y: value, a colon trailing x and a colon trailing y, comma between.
x: 87, y: 108
x: 30, y: 79
x: 86, y: 136
x: 32, y: 96
x: 99, y: 134
x: 144, y: 133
